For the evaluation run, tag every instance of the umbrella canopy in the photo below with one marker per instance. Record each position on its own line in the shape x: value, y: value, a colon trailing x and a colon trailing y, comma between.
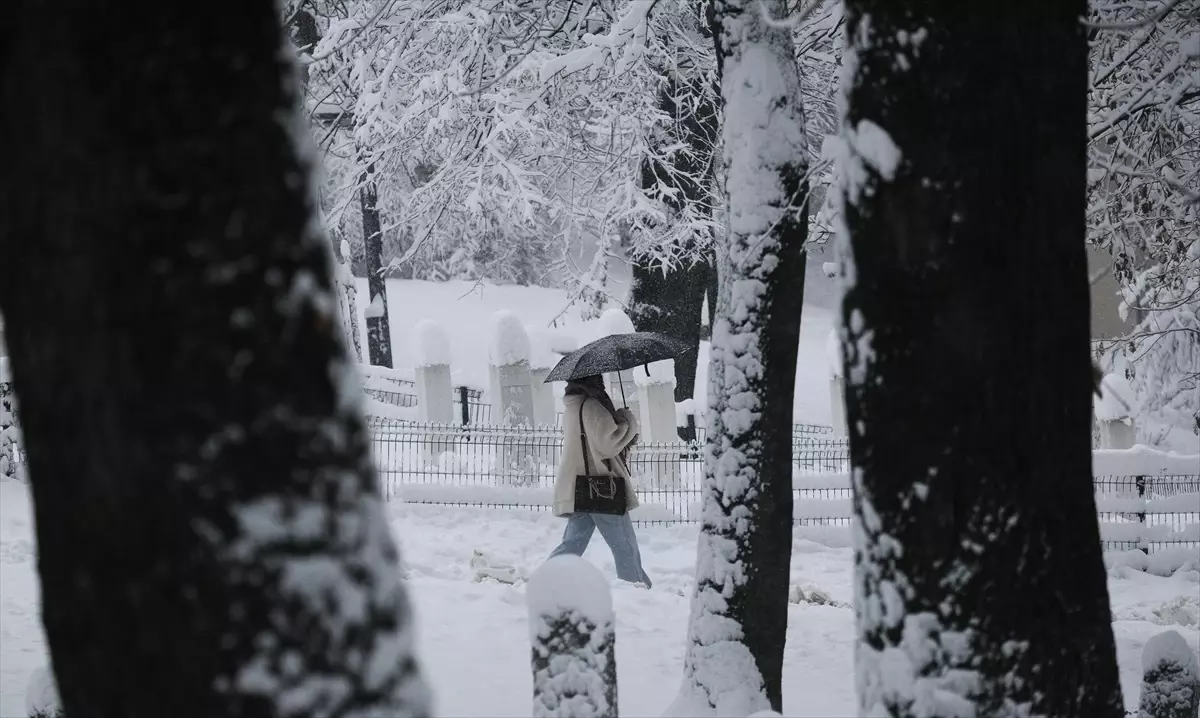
x: 616, y: 352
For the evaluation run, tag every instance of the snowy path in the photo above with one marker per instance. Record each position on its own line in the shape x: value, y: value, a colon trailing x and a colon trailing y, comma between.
x: 473, y: 639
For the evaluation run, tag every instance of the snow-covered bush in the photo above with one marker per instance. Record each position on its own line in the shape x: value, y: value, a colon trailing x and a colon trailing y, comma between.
x: 574, y: 644
x: 1170, y: 678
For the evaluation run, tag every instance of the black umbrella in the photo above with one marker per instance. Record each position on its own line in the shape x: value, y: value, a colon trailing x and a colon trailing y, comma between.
x: 616, y: 352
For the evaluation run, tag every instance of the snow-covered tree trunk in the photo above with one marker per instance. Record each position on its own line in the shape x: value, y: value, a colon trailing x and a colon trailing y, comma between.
x: 210, y: 537
x: 980, y: 588
x: 8, y: 426
x: 1170, y: 678
x: 379, y: 334
x: 571, y: 629
x: 349, y: 289
x: 738, y: 622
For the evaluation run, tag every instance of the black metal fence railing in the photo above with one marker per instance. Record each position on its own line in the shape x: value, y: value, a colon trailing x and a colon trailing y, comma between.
x: 396, y: 398
x: 802, y: 434
x: 494, y: 466
x: 469, y: 405
x: 1149, y: 512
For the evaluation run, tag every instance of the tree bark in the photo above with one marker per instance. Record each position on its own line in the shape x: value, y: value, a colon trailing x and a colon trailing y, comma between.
x: 211, y: 541
x: 669, y: 299
x: 379, y: 335
x: 979, y: 580
x: 738, y: 624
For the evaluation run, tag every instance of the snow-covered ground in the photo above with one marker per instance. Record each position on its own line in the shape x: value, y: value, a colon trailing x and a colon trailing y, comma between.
x: 474, y: 640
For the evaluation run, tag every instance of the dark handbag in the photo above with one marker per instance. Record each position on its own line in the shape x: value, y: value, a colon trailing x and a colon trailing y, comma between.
x: 597, y: 494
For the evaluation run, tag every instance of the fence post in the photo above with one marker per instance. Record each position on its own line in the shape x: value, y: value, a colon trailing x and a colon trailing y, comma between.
x: 465, y: 413
x: 1141, y: 515
x: 574, y: 656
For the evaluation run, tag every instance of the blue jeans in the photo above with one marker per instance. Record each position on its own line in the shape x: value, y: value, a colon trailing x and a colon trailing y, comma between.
x: 618, y: 534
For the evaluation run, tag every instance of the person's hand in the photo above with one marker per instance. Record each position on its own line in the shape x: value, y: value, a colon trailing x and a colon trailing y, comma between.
x: 624, y: 416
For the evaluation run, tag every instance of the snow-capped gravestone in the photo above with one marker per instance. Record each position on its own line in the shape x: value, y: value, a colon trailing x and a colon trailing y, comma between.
x: 541, y: 360
x: 509, y: 351
x: 1113, y: 410
x: 837, y: 384
x: 435, y: 395
x: 620, y: 385
x: 1170, y: 678
x: 656, y: 401
x: 571, y: 628
x: 512, y: 395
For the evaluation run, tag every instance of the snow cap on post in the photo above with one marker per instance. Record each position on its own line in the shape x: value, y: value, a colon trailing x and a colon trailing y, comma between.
x: 660, y: 372
x: 574, y: 645
x: 1170, y: 678
x: 615, y: 321
x: 433, y: 346
x: 509, y: 341
x: 541, y: 354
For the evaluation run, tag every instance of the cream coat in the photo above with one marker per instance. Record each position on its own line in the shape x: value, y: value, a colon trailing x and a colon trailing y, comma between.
x: 606, y: 438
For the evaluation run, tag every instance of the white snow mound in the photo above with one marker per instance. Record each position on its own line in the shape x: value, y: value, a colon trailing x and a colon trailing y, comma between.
x: 432, y: 344
x: 542, y: 354
x: 509, y: 340
x: 614, y: 321
x: 567, y: 583
x: 1169, y: 647
x: 661, y: 372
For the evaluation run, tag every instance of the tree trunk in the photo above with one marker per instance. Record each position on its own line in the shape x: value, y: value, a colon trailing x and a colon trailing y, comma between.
x: 379, y: 336
x: 979, y: 580
x: 8, y: 425
x: 211, y: 541
x: 670, y: 299
x: 734, y: 659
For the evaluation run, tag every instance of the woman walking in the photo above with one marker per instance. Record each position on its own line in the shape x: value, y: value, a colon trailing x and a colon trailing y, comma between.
x: 590, y: 417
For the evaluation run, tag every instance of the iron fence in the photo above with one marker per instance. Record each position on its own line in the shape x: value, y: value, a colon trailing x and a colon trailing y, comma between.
x: 514, y: 467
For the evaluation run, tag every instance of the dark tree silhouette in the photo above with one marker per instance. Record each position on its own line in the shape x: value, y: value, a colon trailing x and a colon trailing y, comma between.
x: 211, y: 541
x: 669, y: 299
x: 965, y: 334
x: 379, y: 333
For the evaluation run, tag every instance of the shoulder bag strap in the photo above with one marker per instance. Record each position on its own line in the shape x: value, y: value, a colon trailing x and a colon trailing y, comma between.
x: 587, y: 463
